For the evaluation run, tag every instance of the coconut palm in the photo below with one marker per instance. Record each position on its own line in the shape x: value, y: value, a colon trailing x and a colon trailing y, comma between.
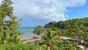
x: 49, y: 38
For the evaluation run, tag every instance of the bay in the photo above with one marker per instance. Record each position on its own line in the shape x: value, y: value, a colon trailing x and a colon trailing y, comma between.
x: 27, y: 31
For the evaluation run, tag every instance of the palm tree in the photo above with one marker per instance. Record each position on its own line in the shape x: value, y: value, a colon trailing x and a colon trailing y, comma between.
x: 49, y: 39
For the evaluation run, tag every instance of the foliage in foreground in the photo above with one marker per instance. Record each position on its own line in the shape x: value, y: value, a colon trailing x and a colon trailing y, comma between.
x: 34, y: 47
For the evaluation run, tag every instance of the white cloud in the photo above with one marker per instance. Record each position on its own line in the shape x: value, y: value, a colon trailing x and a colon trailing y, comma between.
x: 0, y: 1
x: 53, y: 10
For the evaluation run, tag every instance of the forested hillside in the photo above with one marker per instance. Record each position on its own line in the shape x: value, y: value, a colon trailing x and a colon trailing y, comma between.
x: 80, y: 22
x: 76, y: 28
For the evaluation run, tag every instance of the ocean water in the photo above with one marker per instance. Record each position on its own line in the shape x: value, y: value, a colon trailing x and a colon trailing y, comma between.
x: 27, y: 31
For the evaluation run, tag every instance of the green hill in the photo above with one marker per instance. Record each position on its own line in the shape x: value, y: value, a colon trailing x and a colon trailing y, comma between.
x: 80, y: 22
x: 77, y: 28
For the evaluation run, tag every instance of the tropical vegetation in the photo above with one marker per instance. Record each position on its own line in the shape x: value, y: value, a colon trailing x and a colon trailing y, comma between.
x: 10, y: 36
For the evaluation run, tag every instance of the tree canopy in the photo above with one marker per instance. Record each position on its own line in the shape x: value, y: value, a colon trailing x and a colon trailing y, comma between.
x: 8, y: 27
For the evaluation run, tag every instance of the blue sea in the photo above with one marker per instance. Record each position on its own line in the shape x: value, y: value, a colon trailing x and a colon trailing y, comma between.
x: 27, y: 31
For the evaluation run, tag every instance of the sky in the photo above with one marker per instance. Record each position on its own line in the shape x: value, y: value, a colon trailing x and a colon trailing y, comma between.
x: 40, y: 12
